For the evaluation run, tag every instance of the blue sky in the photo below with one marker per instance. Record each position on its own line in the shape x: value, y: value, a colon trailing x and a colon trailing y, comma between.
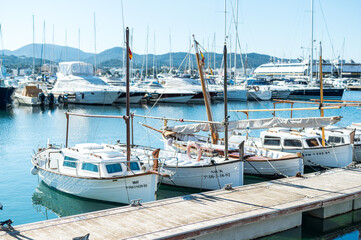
x: 279, y: 27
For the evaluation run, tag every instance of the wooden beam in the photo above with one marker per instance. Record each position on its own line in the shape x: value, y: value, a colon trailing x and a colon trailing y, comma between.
x: 284, y: 109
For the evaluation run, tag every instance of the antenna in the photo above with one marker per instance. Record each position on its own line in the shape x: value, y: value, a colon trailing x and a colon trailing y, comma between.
x: 79, y: 45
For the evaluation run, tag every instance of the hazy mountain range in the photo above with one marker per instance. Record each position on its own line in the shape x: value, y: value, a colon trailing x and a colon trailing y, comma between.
x: 112, y: 57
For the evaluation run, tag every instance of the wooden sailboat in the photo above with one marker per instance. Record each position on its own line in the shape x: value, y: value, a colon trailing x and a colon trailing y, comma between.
x: 97, y: 171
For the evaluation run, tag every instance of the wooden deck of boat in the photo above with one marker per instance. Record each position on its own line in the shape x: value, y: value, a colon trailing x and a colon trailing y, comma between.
x: 200, y: 214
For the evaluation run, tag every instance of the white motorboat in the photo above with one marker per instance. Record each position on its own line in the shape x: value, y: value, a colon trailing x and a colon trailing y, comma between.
x: 34, y: 94
x: 259, y: 93
x: 310, y: 145
x: 156, y: 92
x: 77, y: 82
x: 185, y: 82
x: 95, y: 171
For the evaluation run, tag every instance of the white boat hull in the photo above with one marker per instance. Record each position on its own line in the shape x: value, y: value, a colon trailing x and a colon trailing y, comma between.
x: 132, y: 99
x: 280, y: 94
x: 121, y: 190
x: 90, y: 97
x: 233, y: 95
x: 180, y: 99
x: 259, y: 95
x: 336, y: 156
x: 276, y: 168
x: 209, y: 177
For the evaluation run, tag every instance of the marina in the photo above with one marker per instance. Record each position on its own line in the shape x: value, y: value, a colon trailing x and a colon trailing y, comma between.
x: 211, y: 143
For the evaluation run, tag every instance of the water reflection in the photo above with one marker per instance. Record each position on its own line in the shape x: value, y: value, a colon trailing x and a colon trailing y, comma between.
x: 62, y: 204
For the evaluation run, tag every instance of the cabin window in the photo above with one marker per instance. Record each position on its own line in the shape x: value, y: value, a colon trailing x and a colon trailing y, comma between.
x: 333, y: 139
x: 89, y: 167
x: 312, y: 142
x: 113, y: 168
x: 272, y: 141
x: 134, y: 166
x: 292, y: 143
x: 70, y: 162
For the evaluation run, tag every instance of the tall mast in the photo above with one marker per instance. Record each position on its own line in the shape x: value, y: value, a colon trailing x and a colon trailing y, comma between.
x: 52, y: 55
x: 127, y: 117
x: 33, y: 47
x: 214, y: 52
x: 225, y: 87
x: 235, y: 47
x: 66, y: 45
x: 170, y: 51
x: 205, y: 93
x: 321, y: 95
x: 146, y: 55
x: 154, y: 72
x: 95, y: 46
x: 44, y: 61
x: 311, y: 62
x: 79, y: 45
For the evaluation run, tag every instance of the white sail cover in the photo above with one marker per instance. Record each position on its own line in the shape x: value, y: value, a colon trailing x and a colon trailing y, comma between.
x: 76, y: 68
x: 257, y: 124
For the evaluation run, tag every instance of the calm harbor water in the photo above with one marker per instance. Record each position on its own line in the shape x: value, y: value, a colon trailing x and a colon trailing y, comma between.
x: 24, y: 129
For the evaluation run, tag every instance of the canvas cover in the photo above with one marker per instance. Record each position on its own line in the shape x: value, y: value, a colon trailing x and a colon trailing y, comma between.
x: 76, y: 68
x: 258, y: 124
x: 31, y: 91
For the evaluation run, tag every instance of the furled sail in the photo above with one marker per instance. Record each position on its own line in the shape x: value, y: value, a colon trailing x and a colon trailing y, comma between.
x: 258, y: 124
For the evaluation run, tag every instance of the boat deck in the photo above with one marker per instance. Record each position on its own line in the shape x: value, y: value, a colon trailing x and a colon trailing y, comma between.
x: 201, y: 215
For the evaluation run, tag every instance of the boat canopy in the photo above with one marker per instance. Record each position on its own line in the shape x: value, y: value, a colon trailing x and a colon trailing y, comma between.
x: 76, y: 68
x: 257, y: 124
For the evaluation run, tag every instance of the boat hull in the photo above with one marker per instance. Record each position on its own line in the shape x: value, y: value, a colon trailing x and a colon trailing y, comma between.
x: 259, y: 95
x: 171, y: 98
x: 307, y: 93
x: 5, y: 96
x: 208, y: 177
x: 121, y: 190
x: 274, y: 168
x: 90, y: 97
x: 335, y: 156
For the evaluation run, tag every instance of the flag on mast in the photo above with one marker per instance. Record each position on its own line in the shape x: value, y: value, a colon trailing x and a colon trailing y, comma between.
x: 130, y: 54
x: 203, y: 58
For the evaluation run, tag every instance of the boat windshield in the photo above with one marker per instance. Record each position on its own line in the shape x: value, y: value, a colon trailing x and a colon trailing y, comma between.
x: 292, y: 143
x: 272, y: 141
x: 312, y: 142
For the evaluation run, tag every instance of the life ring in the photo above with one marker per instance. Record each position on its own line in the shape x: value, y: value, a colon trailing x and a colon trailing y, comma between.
x: 199, y: 151
x: 256, y: 88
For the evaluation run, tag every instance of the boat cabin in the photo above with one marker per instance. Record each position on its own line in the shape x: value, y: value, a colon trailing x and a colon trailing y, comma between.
x: 284, y: 138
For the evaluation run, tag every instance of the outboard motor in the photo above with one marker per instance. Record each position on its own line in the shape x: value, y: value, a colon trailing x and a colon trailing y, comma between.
x: 41, y: 97
x: 51, y: 99
x: 65, y: 99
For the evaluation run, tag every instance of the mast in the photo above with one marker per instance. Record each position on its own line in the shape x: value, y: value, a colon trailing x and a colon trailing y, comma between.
x: 146, y: 55
x: 205, y: 93
x: 311, y: 61
x: 235, y: 47
x: 79, y: 45
x: 127, y: 117
x: 170, y: 52
x: 225, y: 87
x: 95, y: 46
x: 225, y: 102
x: 33, y: 47
x: 52, y: 55
x: 321, y: 95
x: 66, y: 45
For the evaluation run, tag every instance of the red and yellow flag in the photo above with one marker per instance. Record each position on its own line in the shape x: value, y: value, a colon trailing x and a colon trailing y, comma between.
x: 203, y: 58
x: 130, y: 54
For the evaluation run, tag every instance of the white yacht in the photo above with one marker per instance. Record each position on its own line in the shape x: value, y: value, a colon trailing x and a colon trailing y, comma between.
x: 310, y: 145
x: 156, y: 92
x: 95, y: 171
x: 34, y: 94
x: 77, y: 81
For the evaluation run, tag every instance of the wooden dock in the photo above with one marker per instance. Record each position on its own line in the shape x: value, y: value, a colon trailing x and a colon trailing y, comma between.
x: 241, y: 213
